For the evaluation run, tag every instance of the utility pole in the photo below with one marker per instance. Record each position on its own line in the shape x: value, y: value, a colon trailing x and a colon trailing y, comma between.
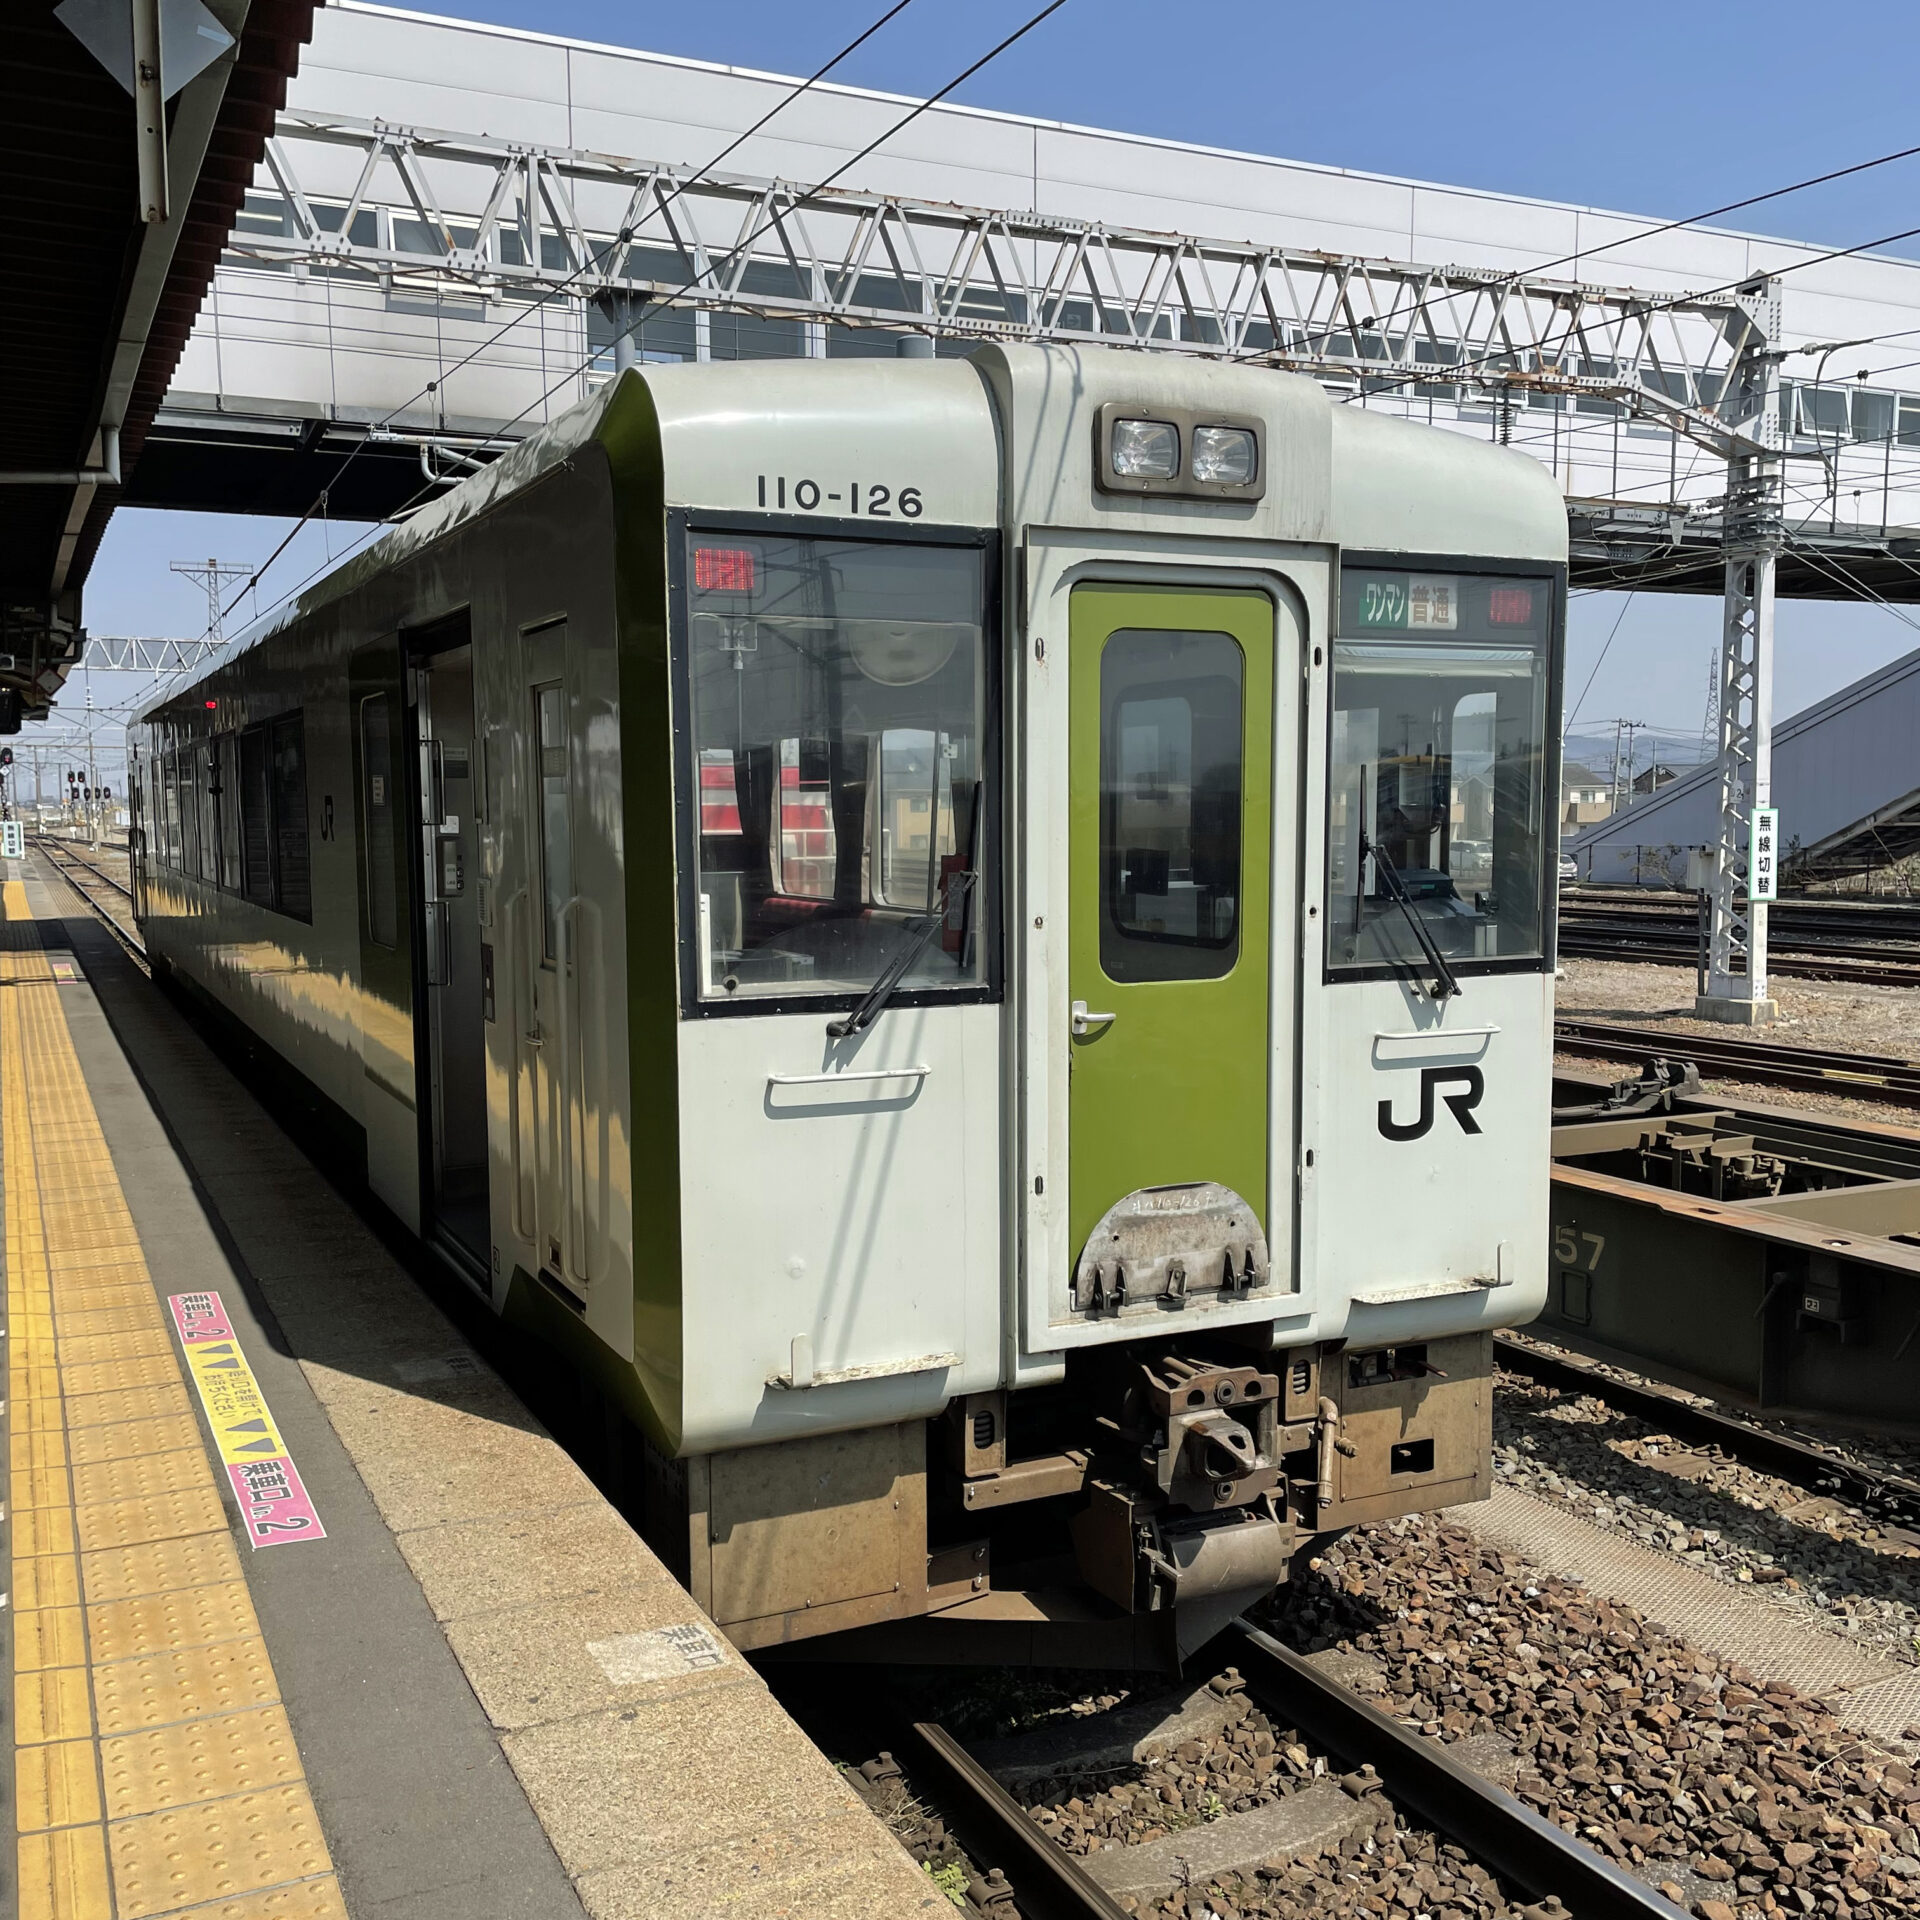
x: 1621, y: 788
x: 209, y: 575
x: 1751, y: 534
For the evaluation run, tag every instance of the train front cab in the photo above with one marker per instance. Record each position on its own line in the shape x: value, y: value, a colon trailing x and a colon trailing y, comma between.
x: 1200, y: 750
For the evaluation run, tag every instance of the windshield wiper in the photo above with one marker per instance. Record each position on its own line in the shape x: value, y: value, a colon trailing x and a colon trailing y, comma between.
x: 1445, y: 986
x: 874, y: 1001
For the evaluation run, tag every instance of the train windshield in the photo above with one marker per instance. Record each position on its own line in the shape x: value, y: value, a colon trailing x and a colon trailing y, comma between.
x: 1438, y: 768
x: 838, y: 708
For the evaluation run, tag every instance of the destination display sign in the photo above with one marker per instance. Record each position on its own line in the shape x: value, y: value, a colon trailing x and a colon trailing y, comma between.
x: 1463, y: 606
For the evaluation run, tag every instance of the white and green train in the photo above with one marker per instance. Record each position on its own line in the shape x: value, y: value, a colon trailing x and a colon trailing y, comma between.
x: 969, y: 941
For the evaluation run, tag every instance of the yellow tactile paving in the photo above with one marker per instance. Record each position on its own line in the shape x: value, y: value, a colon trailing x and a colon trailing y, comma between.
x: 311, y: 1900
x: 200, y: 1760
x: 63, y: 1875
x: 104, y: 1376
x: 127, y: 1403
x: 191, y: 1617
x: 49, y: 1637
x: 38, y: 1446
x: 215, y: 1850
x: 151, y: 1516
x: 42, y: 1530
x: 52, y: 1580
x: 51, y: 1704
x: 128, y: 1439
x: 160, y: 1566
x: 132, y: 1317
x: 146, y: 1476
x: 134, y: 1343
x: 155, y: 1771
x: 56, y: 1785
x: 183, y: 1683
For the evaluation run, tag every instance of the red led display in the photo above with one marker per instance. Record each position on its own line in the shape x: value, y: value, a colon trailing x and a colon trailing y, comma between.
x: 723, y: 569
x: 1510, y: 607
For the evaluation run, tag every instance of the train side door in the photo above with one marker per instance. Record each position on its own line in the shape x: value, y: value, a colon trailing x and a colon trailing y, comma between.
x: 1170, y: 838
x: 452, y: 1079
x: 545, y: 935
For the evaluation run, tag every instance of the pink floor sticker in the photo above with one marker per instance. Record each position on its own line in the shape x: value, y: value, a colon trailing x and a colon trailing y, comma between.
x: 273, y: 1500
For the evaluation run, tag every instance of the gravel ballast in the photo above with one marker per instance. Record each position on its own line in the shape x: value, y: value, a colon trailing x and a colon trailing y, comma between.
x: 1814, y: 1555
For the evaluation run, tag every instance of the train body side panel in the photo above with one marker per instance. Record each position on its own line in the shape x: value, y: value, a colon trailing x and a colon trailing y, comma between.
x: 343, y: 1016
x: 841, y: 1232
x: 296, y: 984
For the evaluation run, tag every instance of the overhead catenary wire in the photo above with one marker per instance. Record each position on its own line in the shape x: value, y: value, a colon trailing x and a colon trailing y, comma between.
x: 579, y: 367
x: 1374, y: 384
x: 1567, y: 724
x: 778, y: 220
x: 1673, y: 226
x: 599, y: 253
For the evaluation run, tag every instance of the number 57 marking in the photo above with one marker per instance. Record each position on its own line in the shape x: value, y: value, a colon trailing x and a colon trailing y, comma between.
x: 1567, y: 1244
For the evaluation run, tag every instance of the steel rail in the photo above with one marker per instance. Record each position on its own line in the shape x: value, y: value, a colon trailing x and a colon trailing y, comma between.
x: 1816, y: 1469
x: 1884, y: 1076
x: 1420, y: 1775
x: 1678, y: 949
x: 1048, y: 1882
x: 128, y: 939
x: 51, y: 843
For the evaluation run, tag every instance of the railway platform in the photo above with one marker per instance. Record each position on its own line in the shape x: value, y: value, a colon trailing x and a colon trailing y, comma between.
x: 306, y: 1615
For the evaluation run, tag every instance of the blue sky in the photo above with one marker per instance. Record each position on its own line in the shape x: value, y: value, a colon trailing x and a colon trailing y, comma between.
x: 1660, y: 110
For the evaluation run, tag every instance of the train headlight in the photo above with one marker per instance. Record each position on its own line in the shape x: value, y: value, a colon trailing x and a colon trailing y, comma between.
x: 1145, y: 449
x: 1144, y: 446
x: 1225, y: 456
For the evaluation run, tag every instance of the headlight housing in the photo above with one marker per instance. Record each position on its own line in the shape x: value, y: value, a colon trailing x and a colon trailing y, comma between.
x: 1147, y: 447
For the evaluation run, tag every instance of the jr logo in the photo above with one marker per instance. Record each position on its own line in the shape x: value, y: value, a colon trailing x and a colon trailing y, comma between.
x: 1460, y: 1105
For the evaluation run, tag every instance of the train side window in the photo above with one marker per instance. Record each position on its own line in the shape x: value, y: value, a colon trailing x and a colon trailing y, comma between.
x: 556, y: 828
x: 1436, y: 803
x: 1171, y: 779
x: 377, y: 816
x: 256, y: 818
x: 839, y: 765
x: 292, y: 867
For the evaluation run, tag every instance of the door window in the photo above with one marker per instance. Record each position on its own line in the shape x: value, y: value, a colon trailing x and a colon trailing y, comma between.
x: 1171, y: 780
x: 556, y: 828
x: 377, y: 810
x: 292, y: 869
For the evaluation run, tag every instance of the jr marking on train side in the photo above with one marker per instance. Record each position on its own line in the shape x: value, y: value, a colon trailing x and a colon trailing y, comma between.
x: 273, y: 1501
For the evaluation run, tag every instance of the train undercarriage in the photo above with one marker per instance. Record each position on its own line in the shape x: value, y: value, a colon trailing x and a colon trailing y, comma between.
x: 1117, y: 1519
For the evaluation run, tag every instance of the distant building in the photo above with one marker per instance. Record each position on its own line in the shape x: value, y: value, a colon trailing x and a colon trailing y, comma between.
x: 1657, y: 776
x: 1584, y: 796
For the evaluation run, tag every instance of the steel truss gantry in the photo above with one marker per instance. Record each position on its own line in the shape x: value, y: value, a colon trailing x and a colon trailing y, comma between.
x: 423, y: 209
x: 117, y: 654
x: 510, y: 218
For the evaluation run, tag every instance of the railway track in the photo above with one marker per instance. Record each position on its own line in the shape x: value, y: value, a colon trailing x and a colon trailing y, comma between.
x: 1880, y: 1076
x: 1888, y: 1496
x: 86, y: 882
x: 1022, y: 1872
x: 1867, y: 943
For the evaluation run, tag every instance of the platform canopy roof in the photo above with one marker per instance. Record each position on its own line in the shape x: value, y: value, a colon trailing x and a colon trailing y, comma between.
x: 98, y: 298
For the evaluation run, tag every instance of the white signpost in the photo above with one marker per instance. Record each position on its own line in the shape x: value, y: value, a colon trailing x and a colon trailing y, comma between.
x: 1763, y: 856
x: 13, y: 840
